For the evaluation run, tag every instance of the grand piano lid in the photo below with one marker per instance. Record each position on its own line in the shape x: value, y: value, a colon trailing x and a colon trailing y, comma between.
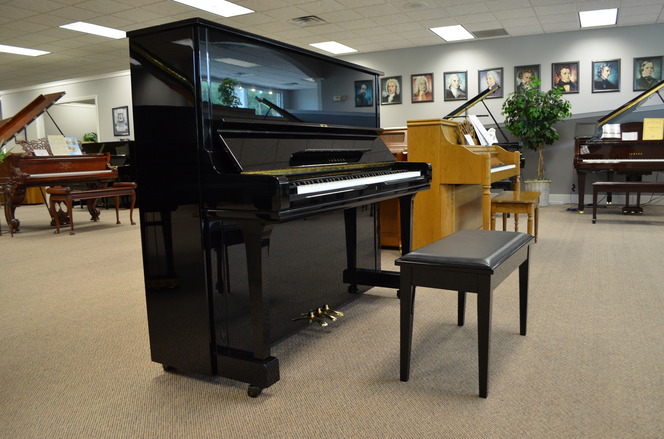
x: 477, y: 99
x: 630, y: 106
x: 10, y: 127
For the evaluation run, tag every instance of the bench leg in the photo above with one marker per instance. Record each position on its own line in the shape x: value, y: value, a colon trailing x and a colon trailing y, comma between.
x: 55, y: 215
x: 595, y: 204
x: 484, y: 299
x: 461, y: 308
x: 117, y: 209
x: 70, y: 211
x: 407, y: 300
x: 523, y: 296
x: 131, y: 208
x: 516, y: 222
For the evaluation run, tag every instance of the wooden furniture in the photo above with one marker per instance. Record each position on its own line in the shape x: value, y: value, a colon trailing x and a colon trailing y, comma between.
x: 628, y: 187
x: 469, y: 261
x: 516, y: 202
x: 396, y: 140
x: 460, y: 194
x: 68, y: 196
x: 632, y: 158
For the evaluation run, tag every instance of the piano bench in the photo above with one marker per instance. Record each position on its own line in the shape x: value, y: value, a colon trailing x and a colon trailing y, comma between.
x: 473, y: 261
x: 516, y: 203
x: 68, y: 196
x: 628, y: 187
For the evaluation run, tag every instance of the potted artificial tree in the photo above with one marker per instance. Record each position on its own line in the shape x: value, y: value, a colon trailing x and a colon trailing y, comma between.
x: 531, y: 114
x: 227, y: 94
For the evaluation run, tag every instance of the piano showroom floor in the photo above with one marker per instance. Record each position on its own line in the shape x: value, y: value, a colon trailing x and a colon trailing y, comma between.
x: 74, y: 320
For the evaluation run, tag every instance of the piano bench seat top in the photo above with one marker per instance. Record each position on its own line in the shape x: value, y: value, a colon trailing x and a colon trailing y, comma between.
x: 476, y: 250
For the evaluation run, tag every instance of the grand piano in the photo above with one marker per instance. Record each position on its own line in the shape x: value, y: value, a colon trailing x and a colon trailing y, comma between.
x: 631, y: 158
x: 462, y: 174
x: 20, y: 171
x: 259, y: 205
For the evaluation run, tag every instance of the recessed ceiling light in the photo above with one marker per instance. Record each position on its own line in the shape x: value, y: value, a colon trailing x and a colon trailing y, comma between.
x: 21, y: 51
x: 599, y: 17
x: 94, y: 29
x: 452, y: 33
x: 333, y: 47
x: 219, y: 7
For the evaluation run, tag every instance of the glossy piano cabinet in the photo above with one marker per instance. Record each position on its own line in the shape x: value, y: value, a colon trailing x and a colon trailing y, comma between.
x: 396, y: 140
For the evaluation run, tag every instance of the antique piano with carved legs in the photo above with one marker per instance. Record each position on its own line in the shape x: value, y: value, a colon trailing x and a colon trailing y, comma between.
x: 20, y: 171
x: 259, y: 214
x: 615, y: 156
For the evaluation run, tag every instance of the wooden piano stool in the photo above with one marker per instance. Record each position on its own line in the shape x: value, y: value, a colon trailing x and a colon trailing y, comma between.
x: 68, y: 196
x: 516, y: 202
x: 468, y: 261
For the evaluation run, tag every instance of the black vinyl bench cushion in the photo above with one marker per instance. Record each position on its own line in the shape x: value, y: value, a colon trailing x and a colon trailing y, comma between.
x: 472, y: 250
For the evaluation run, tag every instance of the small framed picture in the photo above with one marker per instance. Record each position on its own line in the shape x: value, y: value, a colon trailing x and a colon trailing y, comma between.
x: 390, y: 90
x: 647, y: 72
x: 523, y: 75
x: 456, y: 86
x: 120, y: 121
x: 490, y: 79
x: 363, y: 93
x: 566, y: 76
x: 421, y: 87
x: 606, y: 76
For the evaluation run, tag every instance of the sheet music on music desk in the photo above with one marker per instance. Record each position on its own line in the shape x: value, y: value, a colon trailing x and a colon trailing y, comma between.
x: 482, y: 134
x: 653, y: 128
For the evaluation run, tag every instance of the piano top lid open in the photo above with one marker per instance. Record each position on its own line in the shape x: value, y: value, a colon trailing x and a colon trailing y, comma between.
x: 472, y: 102
x: 616, y: 115
x: 10, y: 127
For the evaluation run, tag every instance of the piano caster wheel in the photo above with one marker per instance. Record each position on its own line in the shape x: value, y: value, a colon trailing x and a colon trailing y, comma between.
x: 254, y: 391
x: 168, y: 368
x: 352, y: 289
x: 399, y: 294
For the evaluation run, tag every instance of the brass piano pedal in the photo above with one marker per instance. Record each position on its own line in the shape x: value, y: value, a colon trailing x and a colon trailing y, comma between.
x: 330, y: 311
x: 310, y: 317
x: 320, y: 313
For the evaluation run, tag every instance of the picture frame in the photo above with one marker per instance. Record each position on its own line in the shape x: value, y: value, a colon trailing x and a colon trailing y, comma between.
x: 120, y: 121
x: 566, y: 76
x: 491, y: 78
x: 606, y: 76
x: 653, y: 72
x: 364, y: 93
x: 456, y: 86
x: 524, y: 74
x: 390, y: 90
x: 421, y: 87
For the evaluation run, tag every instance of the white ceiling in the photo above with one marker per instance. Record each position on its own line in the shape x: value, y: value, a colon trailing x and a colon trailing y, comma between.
x: 366, y: 25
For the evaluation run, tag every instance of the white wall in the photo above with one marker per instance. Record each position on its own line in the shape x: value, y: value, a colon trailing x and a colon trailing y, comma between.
x: 113, y: 90
x: 624, y: 43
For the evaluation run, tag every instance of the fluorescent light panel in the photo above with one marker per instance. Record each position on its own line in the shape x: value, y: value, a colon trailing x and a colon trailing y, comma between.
x: 236, y: 62
x: 333, y: 47
x: 94, y: 29
x: 218, y: 7
x: 21, y: 51
x: 599, y: 17
x: 452, y: 33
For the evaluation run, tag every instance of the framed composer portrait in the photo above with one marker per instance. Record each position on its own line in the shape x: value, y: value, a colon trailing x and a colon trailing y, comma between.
x: 606, y: 76
x: 523, y: 75
x: 456, y: 86
x: 566, y: 76
x: 390, y: 90
x: 421, y: 87
x: 491, y: 78
x: 647, y: 72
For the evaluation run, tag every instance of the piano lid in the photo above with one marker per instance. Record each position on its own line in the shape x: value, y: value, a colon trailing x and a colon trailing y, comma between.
x: 10, y: 127
x: 472, y: 102
x: 630, y: 106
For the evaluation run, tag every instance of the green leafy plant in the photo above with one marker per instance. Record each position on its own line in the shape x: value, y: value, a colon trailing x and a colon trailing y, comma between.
x: 531, y: 114
x: 227, y: 93
x: 90, y: 137
x: 4, y: 154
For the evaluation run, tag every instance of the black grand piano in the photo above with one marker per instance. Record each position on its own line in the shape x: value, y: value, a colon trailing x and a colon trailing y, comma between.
x: 607, y: 152
x: 259, y: 187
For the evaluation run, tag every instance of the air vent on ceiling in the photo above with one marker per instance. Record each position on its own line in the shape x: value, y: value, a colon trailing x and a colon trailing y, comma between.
x: 491, y: 33
x: 307, y: 20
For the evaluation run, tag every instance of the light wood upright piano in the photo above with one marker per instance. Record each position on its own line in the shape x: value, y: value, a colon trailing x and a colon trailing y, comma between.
x: 460, y: 194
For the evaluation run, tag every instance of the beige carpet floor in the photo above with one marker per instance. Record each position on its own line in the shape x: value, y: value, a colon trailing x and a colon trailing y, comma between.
x: 75, y: 359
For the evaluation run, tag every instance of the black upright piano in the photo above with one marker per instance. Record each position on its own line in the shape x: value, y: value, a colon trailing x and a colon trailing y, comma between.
x: 259, y: 187
x: 607, y: 152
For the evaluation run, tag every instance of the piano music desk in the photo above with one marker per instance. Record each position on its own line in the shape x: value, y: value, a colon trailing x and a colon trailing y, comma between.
x: 624, y: 186
x: 68, y: 196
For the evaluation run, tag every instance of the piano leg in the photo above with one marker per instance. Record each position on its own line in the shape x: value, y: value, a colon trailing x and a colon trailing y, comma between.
x: 13, y: 198
x: 350, y: 220
x: 581, y: 179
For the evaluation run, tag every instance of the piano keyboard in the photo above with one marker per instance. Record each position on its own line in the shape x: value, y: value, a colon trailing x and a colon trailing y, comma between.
x: 622, y: 160
x: 70, y: 174
x: 327, y: 184
x: 502, y: 168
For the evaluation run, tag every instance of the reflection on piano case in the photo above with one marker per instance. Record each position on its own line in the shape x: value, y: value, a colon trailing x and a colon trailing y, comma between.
x: 21, y: 171
x: 632, y: 158
x: 253, y: 218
